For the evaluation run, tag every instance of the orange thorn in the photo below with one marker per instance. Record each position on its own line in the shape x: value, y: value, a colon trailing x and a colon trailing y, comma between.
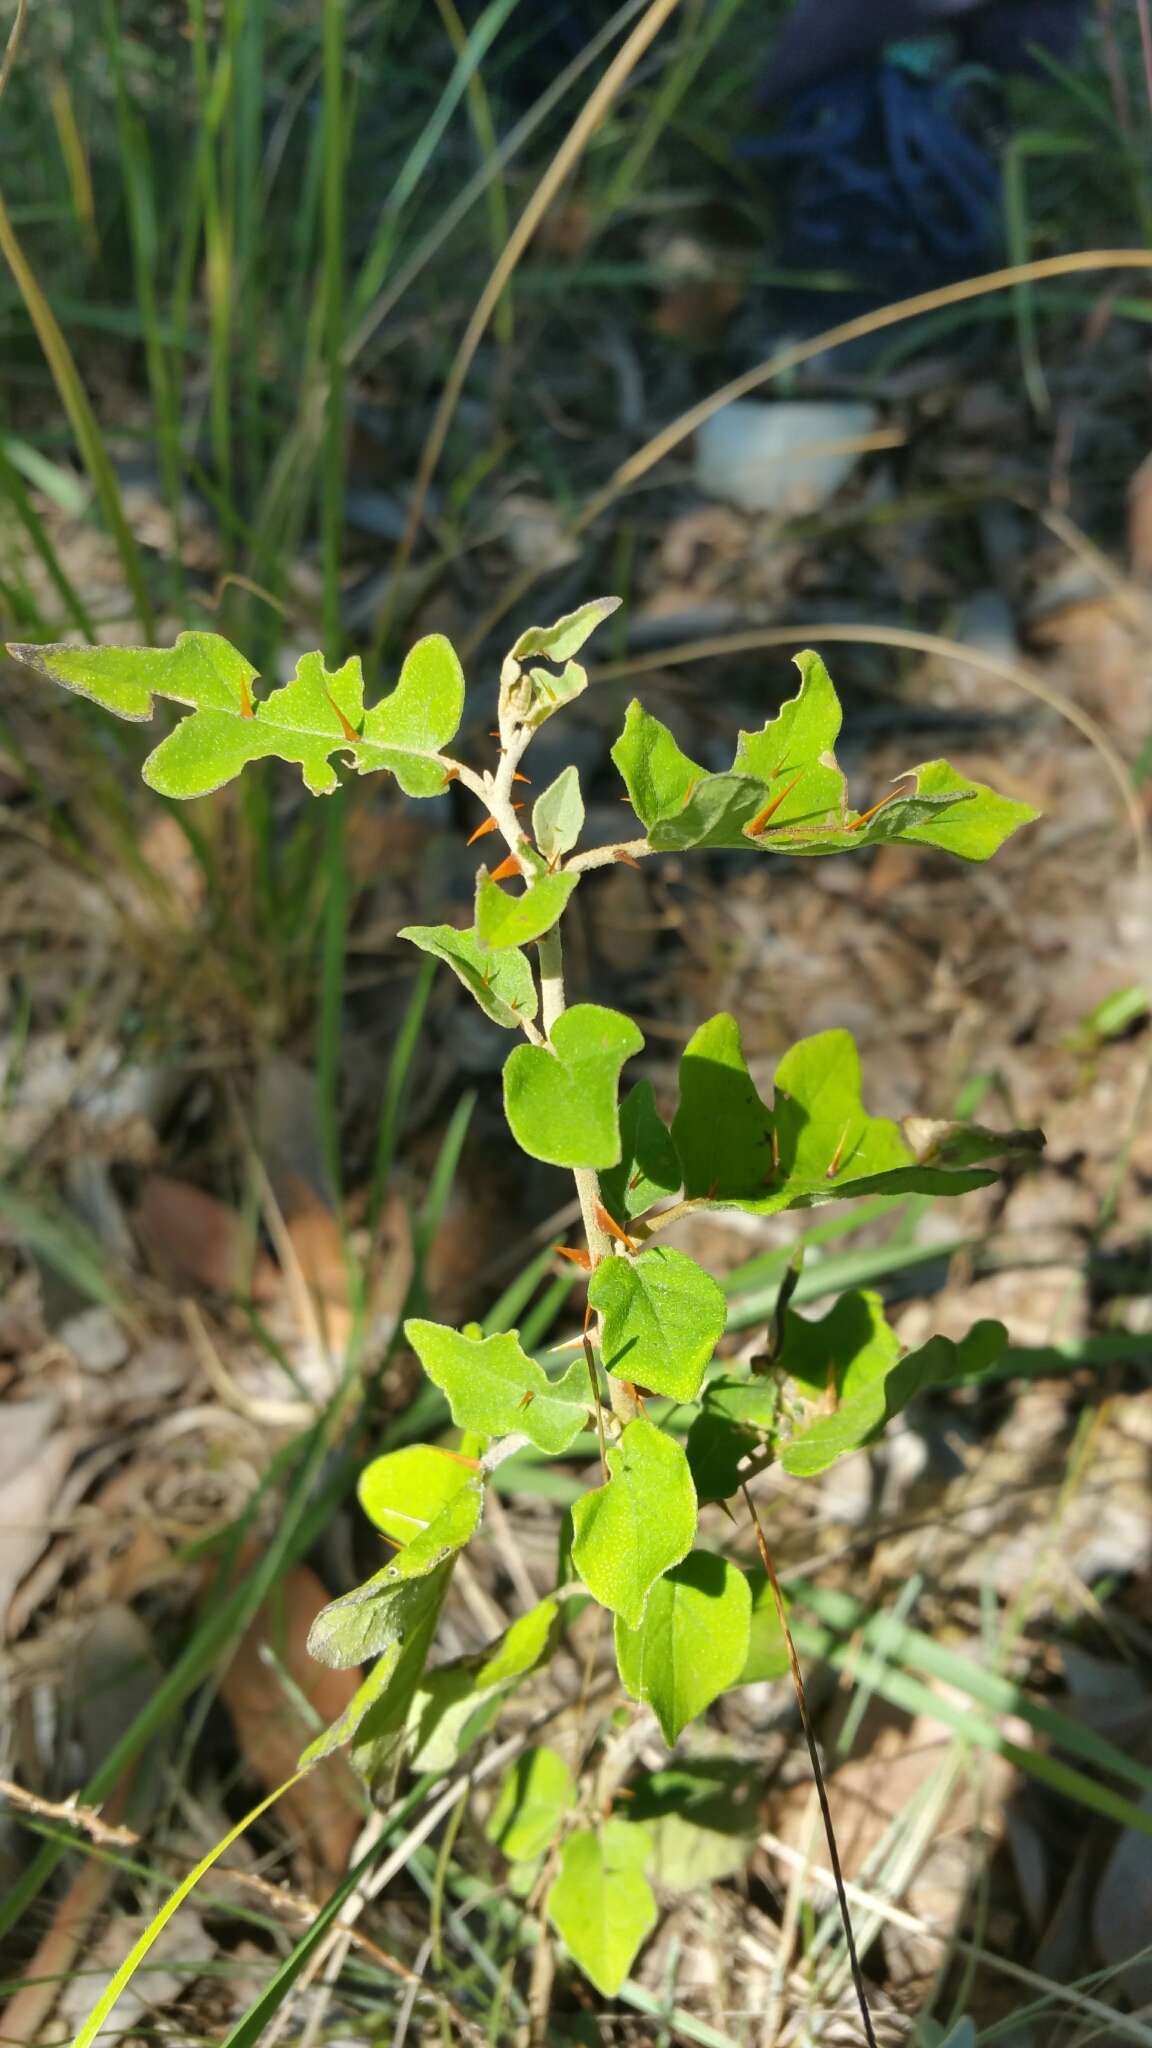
x: 756, y: 825
x: 522, y: 778
x: 508, y: 867
x: 630, y: 1244
x: 527, y: 1398
x: 246, y: 708
x: 349, y: 731
x: 578, y: 1258
x: 482, y: 831
x: 629, y: 860
x: 833, y: 1167
x: 885, y: 800
x: 451, y: 774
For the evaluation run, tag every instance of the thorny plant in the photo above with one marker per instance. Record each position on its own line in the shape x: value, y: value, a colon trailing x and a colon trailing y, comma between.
x: 674, y: 1428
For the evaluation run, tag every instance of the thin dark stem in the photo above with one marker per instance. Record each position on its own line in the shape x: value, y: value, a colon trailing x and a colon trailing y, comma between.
x: 817, y: 1773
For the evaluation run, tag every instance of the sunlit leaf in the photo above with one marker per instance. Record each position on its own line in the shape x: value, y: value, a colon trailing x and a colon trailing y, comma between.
x: 560, y: 1099
x: 503, y: 920
x: 663, y: 1318
x: 601, y: 1903
x: 493, y: 1387
x: 692, y: 1643
x: 501, y: 981
x: 456, y: 1702
x: 643, y: 1521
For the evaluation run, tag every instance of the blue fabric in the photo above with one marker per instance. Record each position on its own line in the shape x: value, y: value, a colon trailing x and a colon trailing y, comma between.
x: 878, y: 172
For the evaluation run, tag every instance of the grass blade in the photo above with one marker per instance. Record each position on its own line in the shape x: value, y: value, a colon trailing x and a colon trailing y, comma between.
x: 82, y: 419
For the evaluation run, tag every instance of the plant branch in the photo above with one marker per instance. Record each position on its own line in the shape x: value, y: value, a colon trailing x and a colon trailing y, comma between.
x: 603, y: 856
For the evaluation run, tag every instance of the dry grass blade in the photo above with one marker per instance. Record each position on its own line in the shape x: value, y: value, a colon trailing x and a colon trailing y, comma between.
x: 566, y: 157
x: 804, y: 635
x: 12, y: 46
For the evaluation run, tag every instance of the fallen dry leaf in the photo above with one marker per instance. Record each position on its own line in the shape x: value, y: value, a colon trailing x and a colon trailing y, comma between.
x: 261, y: 1689
x: 197, y: 1239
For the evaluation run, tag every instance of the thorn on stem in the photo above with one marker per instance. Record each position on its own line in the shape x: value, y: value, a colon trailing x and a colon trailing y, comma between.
x: 507, y: 868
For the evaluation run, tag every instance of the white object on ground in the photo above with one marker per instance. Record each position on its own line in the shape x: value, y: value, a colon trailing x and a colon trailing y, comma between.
x: 783, y: 456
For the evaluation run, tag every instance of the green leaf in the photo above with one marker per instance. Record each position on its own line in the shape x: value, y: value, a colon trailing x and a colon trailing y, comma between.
x: 786, y: 794
x: 560, y: 1099
x: 601, y: 1903
x: 375, y: 1717
x: 503, y: 920
x: 376, y: 1615
x: 567, y: 636
x: 320, y: 712
x: 767, y: 1644
x: 738, y: 1419
x: 491, y: 1386
x: 793, y: 757
x: 703, y: 1818
x: 649, y: 1169
x: 974, y: 829
x: 406, y: 731
x: 501, y: 980
x: 202, y: 669
x: 642, y: 1522
x: 721, y: 1129
x: 533, y: 695
x: 692, y: 1643
x: 533, y: 1800
x: 716, y: 814
x: 558, y: 816
x: 456, y: 1702
x: 853, y: 1355
x: 828, y: 1144
x: 404, y: 1491
x: 816, y: 1144
x: 715, y: 1448
x: 658, y: 775
x: 663, y: 1318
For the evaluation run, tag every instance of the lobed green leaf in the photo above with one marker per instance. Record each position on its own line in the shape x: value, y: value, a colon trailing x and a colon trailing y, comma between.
x: 560, y: 1099
x: 317, y: 714
x: 501, y: 980
x: 816, y: 1144
x: 853, y: 1356
x: 503, y: 920
x: 785, y: 792
x: 491, y: 1386
x: 663, y: 1318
